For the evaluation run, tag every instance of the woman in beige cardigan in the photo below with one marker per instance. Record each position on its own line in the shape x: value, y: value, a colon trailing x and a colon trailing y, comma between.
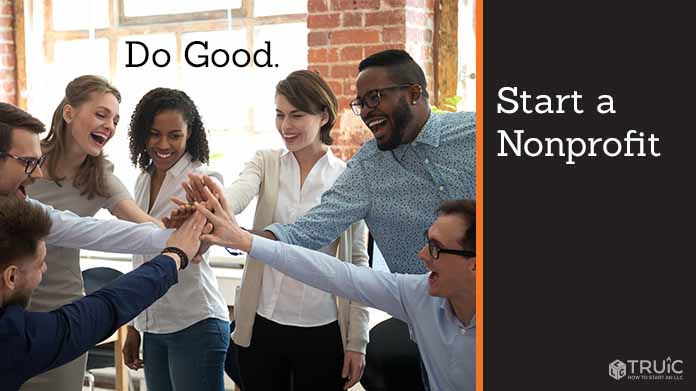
x: 284, y: 329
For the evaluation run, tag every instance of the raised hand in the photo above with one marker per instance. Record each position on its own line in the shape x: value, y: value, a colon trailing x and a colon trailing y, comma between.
x: 179, y: 214
x: 194, y: 188
x: 187, y: 237
x: 226, y: 231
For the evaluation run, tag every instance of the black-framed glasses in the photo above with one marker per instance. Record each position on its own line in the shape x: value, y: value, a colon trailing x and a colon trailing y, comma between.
x: 435, y: 251
x: 30, y: 163
x: 372, y: 98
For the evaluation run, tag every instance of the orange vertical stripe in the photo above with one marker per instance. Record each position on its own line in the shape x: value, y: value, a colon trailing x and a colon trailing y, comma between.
x: 479, y: 195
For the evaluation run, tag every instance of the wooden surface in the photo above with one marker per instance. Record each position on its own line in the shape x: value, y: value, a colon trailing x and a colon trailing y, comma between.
x: 446, y: 50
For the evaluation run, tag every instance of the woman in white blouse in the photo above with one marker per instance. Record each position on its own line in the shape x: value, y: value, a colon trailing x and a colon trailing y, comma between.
x: 289, y: 334
x: 186, y: 332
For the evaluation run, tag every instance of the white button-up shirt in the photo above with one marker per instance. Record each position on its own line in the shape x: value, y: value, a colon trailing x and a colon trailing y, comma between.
x: 283, y: 299
x: 196, y: 297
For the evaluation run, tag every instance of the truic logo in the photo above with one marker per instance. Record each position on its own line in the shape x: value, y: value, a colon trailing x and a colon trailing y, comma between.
x: 617, y: 369
x: 666, y: 370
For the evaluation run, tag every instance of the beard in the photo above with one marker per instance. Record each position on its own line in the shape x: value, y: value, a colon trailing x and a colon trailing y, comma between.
x: 20, y: 298
x: 401, y: 117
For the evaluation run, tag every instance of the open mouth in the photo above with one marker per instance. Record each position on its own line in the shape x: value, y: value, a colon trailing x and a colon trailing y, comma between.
x: 433, y: 277
x: 289, y: 137
x: 162, y: 155
x: 377, y: 126
x: 21, y: 192
x: 99, y: 138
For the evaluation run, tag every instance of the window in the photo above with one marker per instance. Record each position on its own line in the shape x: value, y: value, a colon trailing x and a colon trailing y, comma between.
x: 68, y: 38
x: 466, y: 87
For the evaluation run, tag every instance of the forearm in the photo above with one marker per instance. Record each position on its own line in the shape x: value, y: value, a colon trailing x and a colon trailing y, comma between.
x: 84, y: 323
x: 128, y: 210
x: 359, y: 326
x: 117, y: 236
x: 367, y: 286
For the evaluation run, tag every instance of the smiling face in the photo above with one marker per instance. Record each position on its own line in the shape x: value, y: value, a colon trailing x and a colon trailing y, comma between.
x: 167, y: 141
x: 450, y: 274
x: 13, y: 179
x: 392, y: 121
x: 298, y: 129
x: 93, y: 123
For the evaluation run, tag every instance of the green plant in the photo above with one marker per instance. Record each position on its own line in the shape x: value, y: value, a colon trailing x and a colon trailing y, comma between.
x: 448, y: 105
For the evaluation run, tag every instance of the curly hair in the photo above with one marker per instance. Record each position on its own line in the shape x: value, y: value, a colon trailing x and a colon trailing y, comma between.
x: 155, y: 102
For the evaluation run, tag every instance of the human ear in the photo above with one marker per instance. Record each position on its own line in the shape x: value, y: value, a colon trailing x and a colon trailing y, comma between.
x: 68, y: 113
x: 9, y: 276
x: 415, y: 92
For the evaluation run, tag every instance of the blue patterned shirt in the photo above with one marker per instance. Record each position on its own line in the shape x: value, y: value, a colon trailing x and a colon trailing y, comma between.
x: 396, y: 192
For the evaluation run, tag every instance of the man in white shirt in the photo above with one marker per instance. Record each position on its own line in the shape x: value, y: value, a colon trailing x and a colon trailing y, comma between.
x: 20, y: 165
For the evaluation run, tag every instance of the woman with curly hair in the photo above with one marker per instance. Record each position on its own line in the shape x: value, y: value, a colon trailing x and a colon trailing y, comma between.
x: 77, y: 178
x: 186, y: 332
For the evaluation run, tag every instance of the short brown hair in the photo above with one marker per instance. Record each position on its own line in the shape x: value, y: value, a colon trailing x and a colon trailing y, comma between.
x: 467, y: 210
x: 22, y: 225
x: 12, y: 117
x: 307, y: 91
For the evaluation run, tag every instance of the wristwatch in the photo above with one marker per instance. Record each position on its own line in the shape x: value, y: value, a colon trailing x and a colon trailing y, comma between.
x: 184, y: 258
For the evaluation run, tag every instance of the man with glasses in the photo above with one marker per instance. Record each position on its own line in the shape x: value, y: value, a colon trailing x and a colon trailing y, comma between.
x: 439, y: 308
x: 395, y: 181
x: 20, y: 166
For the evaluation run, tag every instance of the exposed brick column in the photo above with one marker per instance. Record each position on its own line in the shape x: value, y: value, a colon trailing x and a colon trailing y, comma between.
x: 8, y: 69
x: 343, y: 32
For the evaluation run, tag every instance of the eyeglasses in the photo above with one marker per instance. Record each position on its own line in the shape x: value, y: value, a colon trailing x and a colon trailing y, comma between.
x: 435, y: 251
x: 372, y: 98
x: 30, y: 162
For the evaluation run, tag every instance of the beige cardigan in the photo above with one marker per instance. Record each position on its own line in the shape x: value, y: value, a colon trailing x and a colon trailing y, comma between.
x: 260, y: 177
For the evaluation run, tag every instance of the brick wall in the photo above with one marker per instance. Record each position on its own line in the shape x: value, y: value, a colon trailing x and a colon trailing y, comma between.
x: 343, y: 32
x: 8, y: 70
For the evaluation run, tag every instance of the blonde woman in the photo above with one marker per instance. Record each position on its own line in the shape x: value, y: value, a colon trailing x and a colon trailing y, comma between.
x: 77, y: 178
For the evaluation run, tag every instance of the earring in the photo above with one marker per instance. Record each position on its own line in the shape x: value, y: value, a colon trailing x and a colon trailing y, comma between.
x: 414, y: 102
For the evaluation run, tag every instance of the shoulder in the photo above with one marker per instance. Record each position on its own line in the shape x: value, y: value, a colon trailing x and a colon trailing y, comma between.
x: 367, y: 152
x: 455, y: 125
x: 108, y: 166
x: 271, y: 154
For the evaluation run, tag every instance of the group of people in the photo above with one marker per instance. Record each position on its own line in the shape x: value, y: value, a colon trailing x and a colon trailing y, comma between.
x: 300, y: 315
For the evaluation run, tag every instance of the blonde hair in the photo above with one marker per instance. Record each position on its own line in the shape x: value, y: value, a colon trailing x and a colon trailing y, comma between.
x: 90, y: 178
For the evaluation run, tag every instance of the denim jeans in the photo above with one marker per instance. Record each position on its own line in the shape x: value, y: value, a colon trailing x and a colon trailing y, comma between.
x: 190, y: 359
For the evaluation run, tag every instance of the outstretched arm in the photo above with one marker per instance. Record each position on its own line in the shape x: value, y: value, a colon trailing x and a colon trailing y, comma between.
x: 373, y: 288
x: 54, y: 338
x: 116, y: 236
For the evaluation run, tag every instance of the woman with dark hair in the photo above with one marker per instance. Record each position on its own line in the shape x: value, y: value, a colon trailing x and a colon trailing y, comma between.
x: 77, y: 178
x: 186, y: 332
x: 290, y: 335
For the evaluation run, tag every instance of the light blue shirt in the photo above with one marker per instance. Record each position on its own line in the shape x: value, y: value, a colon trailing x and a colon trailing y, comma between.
x: 396, y: 192
x: 447, y: 347
x: 117, y: 236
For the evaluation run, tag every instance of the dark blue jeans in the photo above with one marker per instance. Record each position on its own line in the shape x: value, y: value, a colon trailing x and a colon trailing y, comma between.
x: 190, y: 359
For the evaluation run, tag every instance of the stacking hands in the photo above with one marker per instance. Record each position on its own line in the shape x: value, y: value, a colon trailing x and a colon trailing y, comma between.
x: 206, y: 199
